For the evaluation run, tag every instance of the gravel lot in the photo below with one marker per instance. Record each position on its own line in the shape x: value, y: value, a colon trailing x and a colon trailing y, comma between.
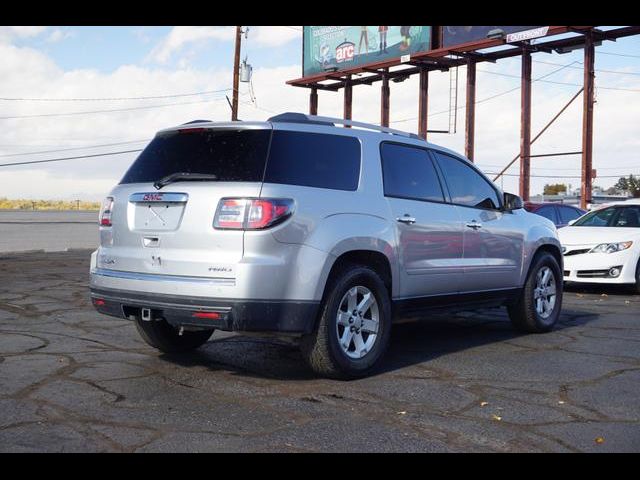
x: 72, y: 380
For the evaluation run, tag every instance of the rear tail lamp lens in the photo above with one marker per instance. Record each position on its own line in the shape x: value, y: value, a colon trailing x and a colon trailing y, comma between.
x: 251, y: 214
x: 105, y: 212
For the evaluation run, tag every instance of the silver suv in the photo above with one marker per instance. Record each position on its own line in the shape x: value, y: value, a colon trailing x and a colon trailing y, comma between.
x: 300, y: 228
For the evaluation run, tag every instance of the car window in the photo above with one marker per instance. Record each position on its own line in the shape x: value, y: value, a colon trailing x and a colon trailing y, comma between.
x: 231, y: 155
x: 314, y: 160
x: 627, y: 217
x: 619, y: 216
x: 567, y: 214
x: 466, y: 186
x: 547, y: 212
x: 409, y: 172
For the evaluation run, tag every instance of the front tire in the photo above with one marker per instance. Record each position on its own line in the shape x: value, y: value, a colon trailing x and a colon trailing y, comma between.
x: 538, y: 307
x: 354, y: 325
x: 165, y: 337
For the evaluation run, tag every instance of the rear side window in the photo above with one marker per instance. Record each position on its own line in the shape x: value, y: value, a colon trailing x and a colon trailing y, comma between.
x: 548, y: 212
x: 230, y: 155
x: 409, y: 173
x: 567, y: 214
x: 466, y: 186
x: 314, y: 160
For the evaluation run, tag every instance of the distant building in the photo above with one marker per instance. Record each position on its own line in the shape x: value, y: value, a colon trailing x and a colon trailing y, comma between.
x: 598, y: 197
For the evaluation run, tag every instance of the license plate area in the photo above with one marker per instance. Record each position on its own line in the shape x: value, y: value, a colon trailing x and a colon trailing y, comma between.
x: 153, y: 212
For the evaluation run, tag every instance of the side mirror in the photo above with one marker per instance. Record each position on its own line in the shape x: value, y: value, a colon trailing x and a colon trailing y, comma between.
x: 512, y: 202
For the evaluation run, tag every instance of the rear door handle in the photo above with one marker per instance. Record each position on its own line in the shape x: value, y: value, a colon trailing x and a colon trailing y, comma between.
x: 406, y: 219
x: 475, y: 225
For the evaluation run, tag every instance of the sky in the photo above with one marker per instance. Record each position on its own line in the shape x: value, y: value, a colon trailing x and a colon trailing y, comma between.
x: 75, y: 91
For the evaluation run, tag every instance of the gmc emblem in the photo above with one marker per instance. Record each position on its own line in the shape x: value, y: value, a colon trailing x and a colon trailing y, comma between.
x: 152, y: 197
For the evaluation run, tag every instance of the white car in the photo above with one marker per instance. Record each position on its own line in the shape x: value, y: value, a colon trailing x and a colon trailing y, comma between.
x: 603, y: 246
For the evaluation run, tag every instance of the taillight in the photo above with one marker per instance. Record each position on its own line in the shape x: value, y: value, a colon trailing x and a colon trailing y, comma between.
x: 251, y: 213
x: 105, y: 212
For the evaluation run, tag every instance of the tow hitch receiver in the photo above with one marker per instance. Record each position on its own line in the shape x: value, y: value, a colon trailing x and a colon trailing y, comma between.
x: 146, y: 314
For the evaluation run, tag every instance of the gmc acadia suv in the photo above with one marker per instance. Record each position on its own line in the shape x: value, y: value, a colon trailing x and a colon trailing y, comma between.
x: 300, y: 228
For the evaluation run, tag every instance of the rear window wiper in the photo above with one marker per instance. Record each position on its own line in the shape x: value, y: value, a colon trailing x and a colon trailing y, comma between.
x: 182, y: 176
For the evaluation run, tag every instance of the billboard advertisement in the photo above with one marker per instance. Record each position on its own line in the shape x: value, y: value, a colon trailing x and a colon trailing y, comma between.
x: 457, y: 35
x: 327, y: 48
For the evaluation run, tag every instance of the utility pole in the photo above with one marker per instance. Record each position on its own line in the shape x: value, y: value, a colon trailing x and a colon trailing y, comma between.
x: 525, y: 126
x: 236, y: 75
x: 587, y: 121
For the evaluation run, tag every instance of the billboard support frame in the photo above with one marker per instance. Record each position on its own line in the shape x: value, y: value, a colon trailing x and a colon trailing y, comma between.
x: 468, y: 54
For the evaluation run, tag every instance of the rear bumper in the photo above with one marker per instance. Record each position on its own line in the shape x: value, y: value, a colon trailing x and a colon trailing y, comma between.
x: 289, y: 317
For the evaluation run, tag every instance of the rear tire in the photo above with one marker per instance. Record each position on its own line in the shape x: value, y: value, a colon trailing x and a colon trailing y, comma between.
x: 536, y: 310
x: 163, y: 336
x: 325, y: 350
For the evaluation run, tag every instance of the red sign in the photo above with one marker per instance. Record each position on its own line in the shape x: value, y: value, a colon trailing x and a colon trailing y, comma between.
x: 345, y: 52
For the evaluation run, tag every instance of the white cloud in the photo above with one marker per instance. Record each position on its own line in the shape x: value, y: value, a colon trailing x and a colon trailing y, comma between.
x: 7, y: 33
x: 274, y: 36
x: 181, y: 36
x: 27, y: 72
x: 58, y: 35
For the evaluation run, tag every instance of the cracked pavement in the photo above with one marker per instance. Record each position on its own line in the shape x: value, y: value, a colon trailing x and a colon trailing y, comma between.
x: 74, y: 380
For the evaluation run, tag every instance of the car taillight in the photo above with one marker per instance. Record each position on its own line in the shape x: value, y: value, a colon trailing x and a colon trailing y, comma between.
x: 105, y: 212
x: 251, y: 213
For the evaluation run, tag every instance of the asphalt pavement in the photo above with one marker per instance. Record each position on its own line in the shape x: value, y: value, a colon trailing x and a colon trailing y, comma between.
x: 73, y: 380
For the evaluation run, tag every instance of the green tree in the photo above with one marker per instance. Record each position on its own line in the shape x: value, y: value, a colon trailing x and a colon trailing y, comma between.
x: 629, y: 184
x: 554, y: 189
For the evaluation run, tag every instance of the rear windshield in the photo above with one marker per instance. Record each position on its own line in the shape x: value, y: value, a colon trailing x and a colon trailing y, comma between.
x: 230, y: 155
x: 295, y: 158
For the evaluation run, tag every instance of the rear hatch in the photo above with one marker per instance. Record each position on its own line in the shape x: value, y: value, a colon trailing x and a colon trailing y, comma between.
x: 169, y: 230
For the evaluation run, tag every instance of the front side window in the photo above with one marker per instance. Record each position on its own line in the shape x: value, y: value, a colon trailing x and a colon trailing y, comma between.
x: 622, y: 216
x: 409, y: 172
x: 466, y: 186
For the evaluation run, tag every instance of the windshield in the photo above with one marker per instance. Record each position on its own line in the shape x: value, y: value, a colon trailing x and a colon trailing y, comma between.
x: 618, y: 216
x: 237, y: 155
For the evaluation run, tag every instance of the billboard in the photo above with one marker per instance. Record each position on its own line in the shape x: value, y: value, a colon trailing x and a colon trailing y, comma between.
x: 327, y: 48
x: 457, y: 35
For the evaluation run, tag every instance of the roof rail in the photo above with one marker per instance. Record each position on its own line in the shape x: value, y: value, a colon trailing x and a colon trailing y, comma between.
x: 294, y: 117
x: 197, y: 121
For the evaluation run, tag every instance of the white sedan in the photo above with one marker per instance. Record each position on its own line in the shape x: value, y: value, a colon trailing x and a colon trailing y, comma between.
x: 603, y: 246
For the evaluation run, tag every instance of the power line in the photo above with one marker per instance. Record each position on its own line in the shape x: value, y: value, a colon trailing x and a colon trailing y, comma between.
x: 69, y: 158
x: 581, y: 68
x: 101, y: 99
x: 618, y: 54
x: 40, y: 115
x: 553, y: 176
x: 86, y: 147
x: 560, y: 83
x: 492, y: 96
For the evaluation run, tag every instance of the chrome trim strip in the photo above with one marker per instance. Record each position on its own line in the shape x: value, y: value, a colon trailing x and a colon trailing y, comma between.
x: 153, y: 277
x: 154, y: 197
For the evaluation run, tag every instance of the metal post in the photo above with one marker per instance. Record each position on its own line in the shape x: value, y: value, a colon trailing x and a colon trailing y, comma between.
x: 236, y: 75
x: 348, y: 98
x: 525, y: 126
x: 423, y: 103
x: 587, y: 121
x: 470, y: 117
x: 313, y: 101
x: 384, y: 100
